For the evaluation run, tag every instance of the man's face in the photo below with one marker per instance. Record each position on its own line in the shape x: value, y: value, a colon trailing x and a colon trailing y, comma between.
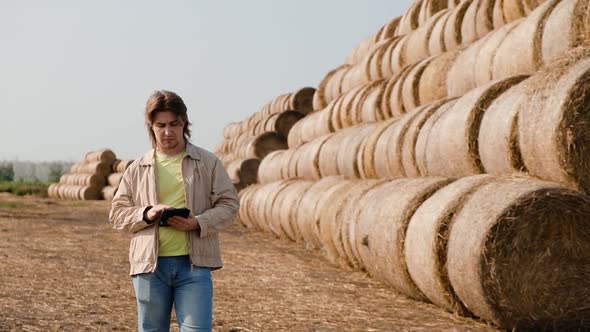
x: 168, y: 129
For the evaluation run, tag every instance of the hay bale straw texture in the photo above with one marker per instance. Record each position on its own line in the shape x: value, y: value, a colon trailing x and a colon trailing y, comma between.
x: 520, y: 52
x: 461, y: 74
x: 346, y: 157
x: 420, y: 148
x: 269, y: 169
x: 411, y: 86
x: 518, y: 255
x: 436, y: 43
x: 452, y: 31
x: 416, y: 47
x: 426, y: 241
x: 308, y: 156
x: 381, y: 230
x: 553, y: 126
x: 452, y: 149
x: 373, y: 154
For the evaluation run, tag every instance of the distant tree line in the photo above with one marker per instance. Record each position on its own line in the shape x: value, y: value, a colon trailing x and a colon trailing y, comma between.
x: 26, y: 171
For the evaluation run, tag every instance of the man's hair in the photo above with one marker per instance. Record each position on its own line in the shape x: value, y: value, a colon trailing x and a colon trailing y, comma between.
x: 165, y: 101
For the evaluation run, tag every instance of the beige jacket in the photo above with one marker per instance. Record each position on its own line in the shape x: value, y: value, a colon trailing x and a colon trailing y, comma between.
x: 210, y: 196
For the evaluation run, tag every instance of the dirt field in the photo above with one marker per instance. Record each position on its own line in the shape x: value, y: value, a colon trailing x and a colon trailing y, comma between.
x: 64, y: 268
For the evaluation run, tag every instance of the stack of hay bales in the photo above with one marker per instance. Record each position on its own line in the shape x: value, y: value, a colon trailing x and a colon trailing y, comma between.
x: 86, y: 179
x: 449, y: 161
x: 113, y: 180
x: 247, y: 142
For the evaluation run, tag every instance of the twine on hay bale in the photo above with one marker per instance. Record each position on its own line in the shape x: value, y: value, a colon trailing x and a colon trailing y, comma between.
x: 505, y: 245
x: 452, y: 149
x: 408, y: 149
x: 553, y: 125
x: 426, y: 241
x: 381, y: 229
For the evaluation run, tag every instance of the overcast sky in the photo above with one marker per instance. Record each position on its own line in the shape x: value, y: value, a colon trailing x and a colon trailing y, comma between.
x: 75, y: 75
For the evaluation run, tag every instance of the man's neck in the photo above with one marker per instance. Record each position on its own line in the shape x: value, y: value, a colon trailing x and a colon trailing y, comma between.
x: 171, y: 152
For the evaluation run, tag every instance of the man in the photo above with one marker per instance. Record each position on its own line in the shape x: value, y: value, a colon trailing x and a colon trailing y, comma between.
x: 172, y: 265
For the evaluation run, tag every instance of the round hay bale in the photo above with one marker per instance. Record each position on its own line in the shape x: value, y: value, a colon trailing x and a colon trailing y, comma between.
x: 302, y: 100
x: 331, y: 218
x: 392, y: 104
x: 264, y: 144
x: 329, y: 152
x: 513, y: 10
x: 408, y: 145
x: 433, y: 81
x: 344, y: 234
x: 122, y: 166
x: 322, y: 125
x: 386, y: 65
x: 75, y: 167
x: 411, y: 86
x: 289, y: 207
x: 398, y: 60
x: 564, y: 29
x: 468, y: 25
x: 429, y: 8
x: 368, y: 105
x: 289, y: 164
x: 87, y: 193
x: 436, y: 43
x: 425, y: 247
x: 376, y: 58
x: 389, y: 30
x: 498, y: 146
x: 461, y: 74
x: 452, y: 30
x: 283, y: 123
x: 270, y: 204
x: 106, y: 156
x: 334, y: 86
x: 269, y: 169
x: 307, y: 216
x: 452, y: 148
x: 505, y: 246
x: 381, y: 230
x: 346, y: 157
x: 520, y: 52
x: 295, y: 137
x: 283, y: 200
x: 409, y: 20
x: 357, y: 75
x: 358, y: 53
x: 52, y: 190
x: 113, y: 180
x: 308, y: 166
x: 319, y: 98
x: 108, y: 192
x: 416, y: 47
x: 245, y: 201
x: 552, y: 126
x: 498, y: 18
x: 484, y: 20
x: 243, y: 171
x: 343, y: 113
x: 422, y: 141
x: 373, y: 155
x: 485, y: 58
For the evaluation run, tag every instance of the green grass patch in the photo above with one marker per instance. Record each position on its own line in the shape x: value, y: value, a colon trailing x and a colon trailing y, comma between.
x: 24, y: 188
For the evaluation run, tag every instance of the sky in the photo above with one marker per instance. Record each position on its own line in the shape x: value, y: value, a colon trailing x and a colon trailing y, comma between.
x: 75, y: 75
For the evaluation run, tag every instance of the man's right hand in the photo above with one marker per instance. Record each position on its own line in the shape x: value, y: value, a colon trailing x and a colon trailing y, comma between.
x: 155, y: 212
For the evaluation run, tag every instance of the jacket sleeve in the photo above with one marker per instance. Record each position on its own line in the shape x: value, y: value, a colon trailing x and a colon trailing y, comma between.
x: 124, y: 215
x: 225, y: 203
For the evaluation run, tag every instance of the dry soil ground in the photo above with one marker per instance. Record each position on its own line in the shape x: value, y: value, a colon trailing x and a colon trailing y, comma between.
x: 62, y: 267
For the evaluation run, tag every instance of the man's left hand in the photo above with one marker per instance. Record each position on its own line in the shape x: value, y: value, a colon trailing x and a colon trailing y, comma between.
x: 184, y: 224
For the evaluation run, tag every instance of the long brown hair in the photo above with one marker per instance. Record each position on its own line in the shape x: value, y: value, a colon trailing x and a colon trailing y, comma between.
x: 165, y: 101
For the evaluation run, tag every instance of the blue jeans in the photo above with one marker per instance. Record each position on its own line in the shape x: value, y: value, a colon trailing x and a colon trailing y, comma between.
x: 175, y: 281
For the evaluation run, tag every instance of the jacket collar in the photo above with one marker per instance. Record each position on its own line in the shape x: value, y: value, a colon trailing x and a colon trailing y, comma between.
x: 148, y: 158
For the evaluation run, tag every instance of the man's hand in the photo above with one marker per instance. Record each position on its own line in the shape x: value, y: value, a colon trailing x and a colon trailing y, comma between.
x: 184, y: 224
x: 155, y: 212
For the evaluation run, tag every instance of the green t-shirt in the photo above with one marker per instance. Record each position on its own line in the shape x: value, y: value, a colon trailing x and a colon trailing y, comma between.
x: 171, y: 192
